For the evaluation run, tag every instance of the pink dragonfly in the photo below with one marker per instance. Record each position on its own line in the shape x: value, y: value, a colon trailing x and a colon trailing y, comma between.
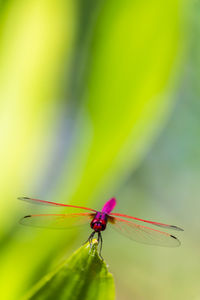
x: 98, y: 222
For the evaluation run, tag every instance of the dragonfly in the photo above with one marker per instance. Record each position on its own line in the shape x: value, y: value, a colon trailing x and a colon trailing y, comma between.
x: 98, y: 220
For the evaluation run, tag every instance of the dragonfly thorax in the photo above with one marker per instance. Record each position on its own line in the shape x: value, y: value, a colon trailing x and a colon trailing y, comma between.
x: 99, y: 222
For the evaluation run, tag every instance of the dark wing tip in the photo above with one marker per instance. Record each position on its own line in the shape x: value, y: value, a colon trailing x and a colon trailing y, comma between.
x: 23, y: 198
x: 21, y: 221
x: 176, y: 228
x: 174, y: 237
x: 170, y: 234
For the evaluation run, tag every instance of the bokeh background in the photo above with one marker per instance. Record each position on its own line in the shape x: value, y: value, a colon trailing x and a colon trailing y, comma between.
x: 100, y: 99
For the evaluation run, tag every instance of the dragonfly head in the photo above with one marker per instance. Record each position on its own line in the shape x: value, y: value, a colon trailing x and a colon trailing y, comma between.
x: 98, y: 223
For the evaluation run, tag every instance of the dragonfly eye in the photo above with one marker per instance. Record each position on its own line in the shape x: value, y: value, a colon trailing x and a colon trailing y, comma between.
x: 99, y: 225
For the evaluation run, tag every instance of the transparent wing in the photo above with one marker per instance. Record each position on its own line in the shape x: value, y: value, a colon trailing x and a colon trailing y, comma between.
x: 150, y: 222
x: 57, y: 221
x: 143, y: 234
x: 49, y: 203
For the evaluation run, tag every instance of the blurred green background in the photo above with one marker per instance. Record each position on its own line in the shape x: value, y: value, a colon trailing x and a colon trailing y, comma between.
x: 100, y: 99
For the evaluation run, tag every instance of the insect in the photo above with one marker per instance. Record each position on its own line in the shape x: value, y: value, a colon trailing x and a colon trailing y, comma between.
x: 98, y: 223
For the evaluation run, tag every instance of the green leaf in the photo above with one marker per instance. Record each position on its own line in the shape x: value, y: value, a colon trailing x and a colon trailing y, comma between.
x: 83, y: 276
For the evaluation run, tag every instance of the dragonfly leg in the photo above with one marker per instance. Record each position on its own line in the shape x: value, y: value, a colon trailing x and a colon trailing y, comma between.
x: 90, y: 239
x: 100, y: 242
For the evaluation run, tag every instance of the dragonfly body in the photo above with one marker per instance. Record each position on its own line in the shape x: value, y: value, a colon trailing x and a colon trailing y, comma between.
x: 99, y: 220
